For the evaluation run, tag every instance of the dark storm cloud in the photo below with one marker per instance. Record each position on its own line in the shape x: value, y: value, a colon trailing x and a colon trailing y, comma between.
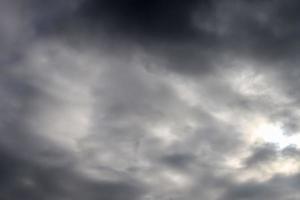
x: 263, y: 29
x: 192, y: 33
x: 190, y: 37
x: 167, y: 30
x: 163, y: 20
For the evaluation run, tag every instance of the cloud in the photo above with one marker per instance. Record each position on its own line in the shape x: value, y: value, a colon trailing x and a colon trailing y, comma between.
x: 262, y: 154
x: 181, y: 32
x: 178, y: 160
x: 279, y: 187
x: 21, y: 178
x: 166, y: 20
x: 149, y: 100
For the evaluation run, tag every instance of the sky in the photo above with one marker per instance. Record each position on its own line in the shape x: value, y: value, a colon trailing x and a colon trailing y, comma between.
x: 149, y: 100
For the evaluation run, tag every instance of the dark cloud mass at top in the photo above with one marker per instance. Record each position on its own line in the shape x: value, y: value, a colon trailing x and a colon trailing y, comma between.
x: 149, y: 99
x: 158, y: 19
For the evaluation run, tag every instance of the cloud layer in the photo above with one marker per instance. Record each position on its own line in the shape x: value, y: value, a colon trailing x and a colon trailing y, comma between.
x: 141, y: 100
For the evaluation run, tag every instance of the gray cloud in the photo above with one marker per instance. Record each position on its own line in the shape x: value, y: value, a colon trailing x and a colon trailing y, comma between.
x: 291, y: 151
x: 149, y: 100
x: 21, y: 178
x: 262, y: 155
x: 279, y: 187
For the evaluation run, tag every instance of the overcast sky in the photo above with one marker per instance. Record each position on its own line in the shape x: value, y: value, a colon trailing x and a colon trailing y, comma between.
x: 149, y: 100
